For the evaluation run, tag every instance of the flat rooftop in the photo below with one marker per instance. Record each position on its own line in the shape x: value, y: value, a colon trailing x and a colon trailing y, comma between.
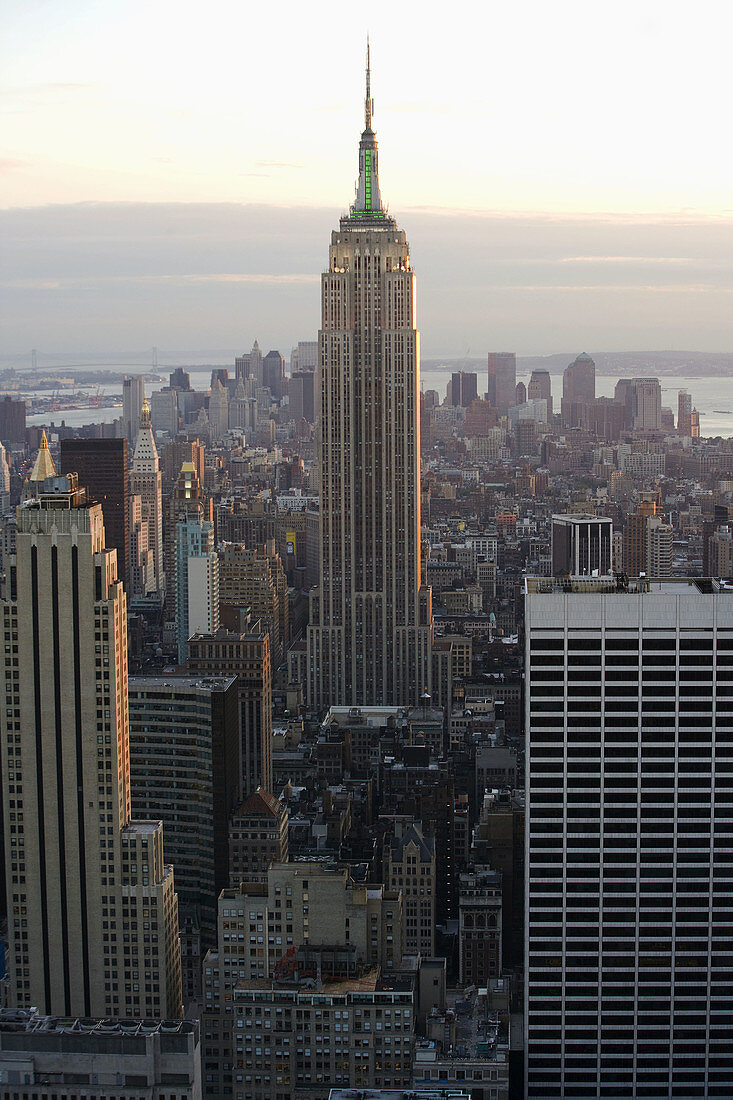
x: 398, y: 1094
x: 379, y: 716
x: 621, y: 585
x: 29, y: 1020
x: 367, y: 983
x: 180, y: 683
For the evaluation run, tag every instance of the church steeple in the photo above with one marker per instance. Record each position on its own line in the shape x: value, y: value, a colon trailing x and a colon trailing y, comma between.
x: 368, y: 200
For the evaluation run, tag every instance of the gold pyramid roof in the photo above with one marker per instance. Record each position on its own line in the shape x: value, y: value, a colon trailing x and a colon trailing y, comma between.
x: 43, y: 467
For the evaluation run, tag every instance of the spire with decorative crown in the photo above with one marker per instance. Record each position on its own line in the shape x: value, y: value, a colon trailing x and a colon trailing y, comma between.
x: 145, y: 459
x: 44, y: 466
x: 145, y: 486
x: 368, y: 200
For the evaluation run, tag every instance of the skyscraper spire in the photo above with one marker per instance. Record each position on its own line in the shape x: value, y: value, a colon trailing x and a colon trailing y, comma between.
x: 368, y: 200
x: 145, y: 458
x: 368, y: 102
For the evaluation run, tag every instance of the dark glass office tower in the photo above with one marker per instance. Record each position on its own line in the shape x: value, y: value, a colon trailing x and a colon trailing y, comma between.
x: 102, y: 468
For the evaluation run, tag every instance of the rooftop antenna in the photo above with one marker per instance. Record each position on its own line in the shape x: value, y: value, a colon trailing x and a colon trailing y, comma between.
x: 368, y: 102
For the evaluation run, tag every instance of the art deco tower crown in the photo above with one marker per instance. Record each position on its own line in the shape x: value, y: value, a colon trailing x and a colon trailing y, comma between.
x: 368, y: 200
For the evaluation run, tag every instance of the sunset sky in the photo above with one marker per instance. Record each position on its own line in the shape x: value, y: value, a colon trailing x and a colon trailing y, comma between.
x: 564, y: 171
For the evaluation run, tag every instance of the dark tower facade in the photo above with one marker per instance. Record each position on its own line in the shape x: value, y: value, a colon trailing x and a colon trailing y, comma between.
x: 102, y: 468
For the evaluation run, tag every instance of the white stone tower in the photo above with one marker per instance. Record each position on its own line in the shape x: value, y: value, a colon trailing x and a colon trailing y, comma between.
x: 146, y: 483
x: 218, y: 411
x: 76, y: 866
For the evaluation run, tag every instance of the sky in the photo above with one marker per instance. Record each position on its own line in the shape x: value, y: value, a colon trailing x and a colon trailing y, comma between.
x: 170, y: 173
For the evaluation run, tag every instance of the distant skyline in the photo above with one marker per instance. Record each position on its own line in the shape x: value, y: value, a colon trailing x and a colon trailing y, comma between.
x: 563, y: 176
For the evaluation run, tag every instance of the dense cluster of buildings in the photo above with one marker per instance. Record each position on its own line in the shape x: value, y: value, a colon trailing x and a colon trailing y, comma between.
x: 356, y: 739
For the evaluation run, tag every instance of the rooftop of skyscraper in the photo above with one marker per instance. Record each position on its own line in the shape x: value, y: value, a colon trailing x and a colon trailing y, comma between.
x: 397, y: 1094
x: 30, y: 1021
x: 180, y: 683
x: 625, y: 585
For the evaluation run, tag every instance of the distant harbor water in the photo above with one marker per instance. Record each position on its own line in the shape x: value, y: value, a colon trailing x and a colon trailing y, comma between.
x: 711, y: 396
x: 76, y: 418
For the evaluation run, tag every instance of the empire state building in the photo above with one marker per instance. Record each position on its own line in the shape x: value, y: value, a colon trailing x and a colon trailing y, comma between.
x: 369, y: 642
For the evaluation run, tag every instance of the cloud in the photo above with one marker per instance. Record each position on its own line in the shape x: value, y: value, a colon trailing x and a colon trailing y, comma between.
x: 625, y: 260
x: 41, y: 87
x: 624, y: 288
x: 613, y: 218
x: 31, y: 284
x: 305, y: 279
x: 277, y: 164
x: 8, y: 164
x: 262, y: 279
x: 64, y: 86
x: 421, y: 107
x: 218, y: 274
x: 29, y: 97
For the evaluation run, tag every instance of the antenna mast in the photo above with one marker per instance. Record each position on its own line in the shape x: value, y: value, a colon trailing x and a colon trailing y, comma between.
x: 368, y: 102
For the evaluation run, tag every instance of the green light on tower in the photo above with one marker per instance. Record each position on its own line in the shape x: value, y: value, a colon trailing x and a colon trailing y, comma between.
x: 368, y: 179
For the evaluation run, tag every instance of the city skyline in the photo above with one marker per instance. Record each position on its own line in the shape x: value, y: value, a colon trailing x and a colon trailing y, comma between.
x: 343, y: 722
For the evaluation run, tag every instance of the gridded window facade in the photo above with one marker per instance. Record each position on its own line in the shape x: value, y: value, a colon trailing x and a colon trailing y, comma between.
x: 370, y: 631
x: 629, y: 843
